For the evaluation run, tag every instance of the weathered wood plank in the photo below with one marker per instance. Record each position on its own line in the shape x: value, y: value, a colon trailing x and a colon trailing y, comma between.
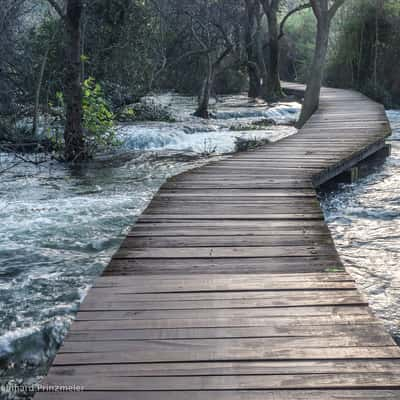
x: 370, y: 333
x: 226, y: 252
x: 359, y: 394
x: 224, y: 241
x: 224, y: 300
x: 272, y: 265
x: 230, y: 368
x: 240, y: 382
x: 148, y: 351
x: 212, y: 322
x: 266, y: 312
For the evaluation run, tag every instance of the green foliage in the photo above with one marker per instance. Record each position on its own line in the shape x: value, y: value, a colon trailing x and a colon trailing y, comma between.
x: 364, y: 45
x: 119, y: 50
x: 98, y: 119
x: 333, y: 269
x: 121, y: 40
x: 47, y: 34
x: 128, y: 114
x: 300, y: 32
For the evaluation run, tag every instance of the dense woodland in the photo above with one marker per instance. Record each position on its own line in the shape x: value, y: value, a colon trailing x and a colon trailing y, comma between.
x: 81, y: 62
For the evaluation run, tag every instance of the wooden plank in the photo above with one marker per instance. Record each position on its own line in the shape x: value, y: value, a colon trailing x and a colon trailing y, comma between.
x: 233, y: 300
x: 218, y: 282
x: 224, y: 241
x: 247, y: 345
x: 237, y: 193
x: 239, y: 382
x: 166, y: 229
x: 222, y: 322
x: 228, y: 209
x: 359, y: 394
x: 239, y: 185
x: 271, y: 265
x: 370, y: 332
x: 272, y: 223
x: 168, y: 287
x: 149, y: 351
x: 266, y: 312
x: 230, y: 217
x: 226, y: 252
x: 231, y: 368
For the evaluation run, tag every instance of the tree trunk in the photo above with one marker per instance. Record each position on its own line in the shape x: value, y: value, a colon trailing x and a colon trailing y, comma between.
x: 273, y: 87
x: 39, y: 89
x: 254, y: 80
x: 262, y: 67
x: 212, y: 69
x: 73, y: 134
x: 311, y: 98
x: 205, y: 94
x: 251, y: 48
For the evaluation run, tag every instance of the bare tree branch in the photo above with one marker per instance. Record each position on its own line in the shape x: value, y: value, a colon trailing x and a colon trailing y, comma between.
x: 288, y: 15
x: 316, y: 6
x: 335, y: 7
x: 57, y: 8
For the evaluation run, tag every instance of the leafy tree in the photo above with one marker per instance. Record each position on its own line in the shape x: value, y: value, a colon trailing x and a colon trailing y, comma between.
x: 71, y: 18
x: 300, y: 33
x: 98, y: 119
x: 365, y: 41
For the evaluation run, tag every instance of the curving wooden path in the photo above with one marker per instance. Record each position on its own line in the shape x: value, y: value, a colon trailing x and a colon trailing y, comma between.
x: 229, y: 286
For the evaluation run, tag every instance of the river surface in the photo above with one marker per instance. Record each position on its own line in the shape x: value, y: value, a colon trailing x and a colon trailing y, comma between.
x: 59, y: 227
x: 364, y: 219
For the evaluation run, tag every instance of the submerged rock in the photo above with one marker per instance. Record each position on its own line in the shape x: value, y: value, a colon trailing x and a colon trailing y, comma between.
x: 245, y: 144
x: 146, y: 110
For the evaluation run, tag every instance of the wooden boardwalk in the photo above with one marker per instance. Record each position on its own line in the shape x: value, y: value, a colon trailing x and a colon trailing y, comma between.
x: 229, y: 286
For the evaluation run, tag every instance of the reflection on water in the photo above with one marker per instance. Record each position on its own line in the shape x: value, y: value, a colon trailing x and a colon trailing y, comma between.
x: 365, y: 222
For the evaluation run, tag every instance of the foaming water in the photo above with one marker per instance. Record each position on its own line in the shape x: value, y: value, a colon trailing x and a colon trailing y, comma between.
x: 233, y: 117
x: 365, y: 222
x: 59, y: 229
x: 60, y: 226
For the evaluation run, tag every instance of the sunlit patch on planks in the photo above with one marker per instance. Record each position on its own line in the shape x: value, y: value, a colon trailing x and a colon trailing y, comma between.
x: 230, y: 287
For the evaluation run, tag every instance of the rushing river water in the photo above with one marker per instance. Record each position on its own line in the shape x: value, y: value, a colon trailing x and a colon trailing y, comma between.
x: 364, y: 219
x: 59, y: 227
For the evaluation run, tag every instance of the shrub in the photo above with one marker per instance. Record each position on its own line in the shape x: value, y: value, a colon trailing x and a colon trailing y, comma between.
x: 98, y: 119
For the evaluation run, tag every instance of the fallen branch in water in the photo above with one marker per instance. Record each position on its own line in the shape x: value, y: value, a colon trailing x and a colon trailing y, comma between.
x: 34, y: 162
x: 2, y: 171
